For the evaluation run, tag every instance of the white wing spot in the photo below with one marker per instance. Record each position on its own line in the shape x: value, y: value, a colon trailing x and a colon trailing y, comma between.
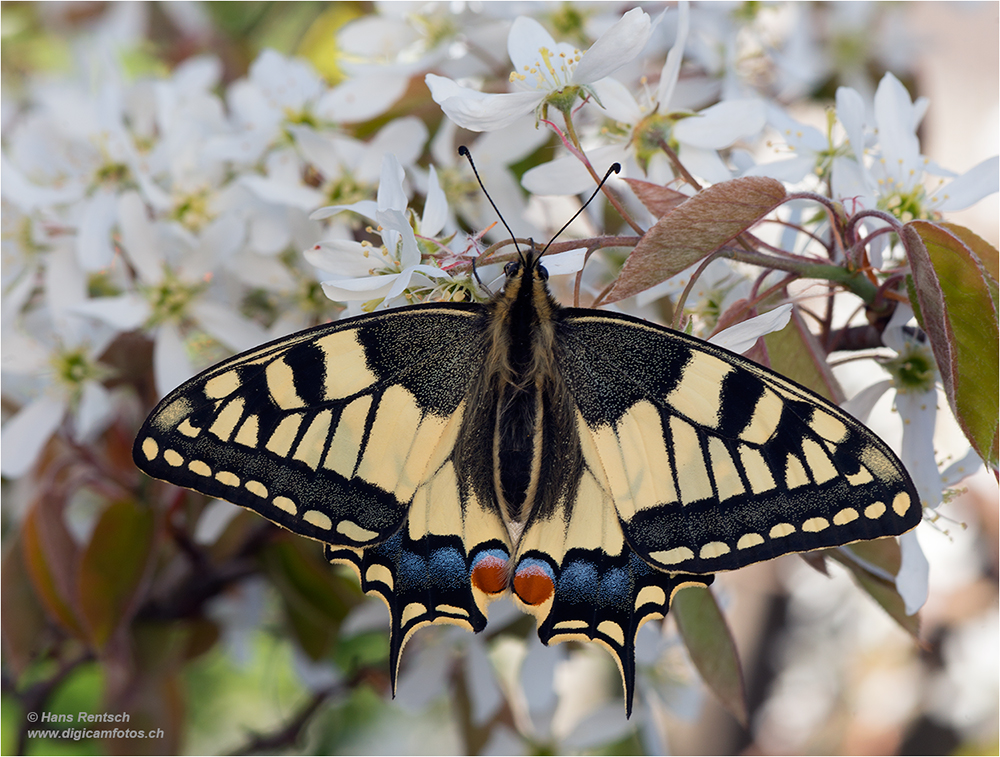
x: 150, y: 448
x: 354, y: 532
x: 612, y: 630
x: 714, y: 549
x: 379, y: 574
x: 200, y: 468
x: 863, y: 476
x: 815, y: 525
x: 828, y: 426
x: 222, y: 385
x: 782, y: 529
x: 650, y: 594
x: 318, y: 519
x: 227, y: 478
x: 173, y: 457
x: 795, y: 473
x: 901, y: 503
x: 281, y: 385
x: 766, y: 414
x: 284, y: 435
x: 757, y: 470
x: 875, y: 510
x: 672, y: 556
x: 749, y: 540
x: 247, y: 435
x: 187, y: 429
x: 845, y: 516
x: 411, y: 611
x: 256, y: 487
x: 225, y: 422
x: 698, y: 394
x: 284, y: 503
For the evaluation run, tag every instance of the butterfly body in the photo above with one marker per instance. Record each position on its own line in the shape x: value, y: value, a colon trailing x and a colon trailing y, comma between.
x: 590, y: 464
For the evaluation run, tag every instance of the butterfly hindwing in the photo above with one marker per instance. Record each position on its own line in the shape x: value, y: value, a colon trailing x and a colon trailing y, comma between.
x: 714, y: 462
x: 575, y: 572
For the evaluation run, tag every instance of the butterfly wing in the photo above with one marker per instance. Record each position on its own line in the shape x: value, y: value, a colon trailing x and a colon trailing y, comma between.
x: 714, y: 462
x: 346, y: 433
x: 690, y: 460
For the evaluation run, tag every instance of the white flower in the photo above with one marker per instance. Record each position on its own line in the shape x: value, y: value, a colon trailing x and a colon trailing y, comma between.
x: 389, y: 271
x: 897, y: 179
x: 54, y: 370
x: 281, y: 92
x: 175, y: 268
x: 640, y: 125
x: 915, y: 379
x: 543, y: 71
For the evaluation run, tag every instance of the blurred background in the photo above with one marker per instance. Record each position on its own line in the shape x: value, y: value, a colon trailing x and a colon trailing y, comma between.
x: 234, y: 637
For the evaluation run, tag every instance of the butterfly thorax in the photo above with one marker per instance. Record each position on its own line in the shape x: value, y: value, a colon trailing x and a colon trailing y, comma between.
x: 528, y: 417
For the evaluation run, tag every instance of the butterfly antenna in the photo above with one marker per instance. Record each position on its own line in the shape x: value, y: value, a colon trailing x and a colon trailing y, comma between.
x: 464, y: 151
x: 615, y: 168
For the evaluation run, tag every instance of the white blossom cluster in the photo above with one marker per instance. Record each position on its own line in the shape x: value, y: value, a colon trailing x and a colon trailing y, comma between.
x: 211, y: 216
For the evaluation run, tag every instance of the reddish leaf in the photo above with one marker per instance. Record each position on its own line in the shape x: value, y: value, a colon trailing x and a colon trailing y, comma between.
x: 50, y: 555
x: 696, y: 229
x: 711, y: 646
x: 112, y: 568
x: 957, y: 309
x: 22, y: 619
x: 658, y: 200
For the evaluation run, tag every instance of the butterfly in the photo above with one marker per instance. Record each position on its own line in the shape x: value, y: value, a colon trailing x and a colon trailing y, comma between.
x: 589, y: 464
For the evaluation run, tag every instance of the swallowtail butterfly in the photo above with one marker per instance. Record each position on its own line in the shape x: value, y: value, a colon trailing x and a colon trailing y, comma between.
x: 587, y: 462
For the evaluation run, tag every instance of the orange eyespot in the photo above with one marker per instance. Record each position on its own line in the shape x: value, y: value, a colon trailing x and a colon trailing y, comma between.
x: 489, y: 572
x: 534, y: 581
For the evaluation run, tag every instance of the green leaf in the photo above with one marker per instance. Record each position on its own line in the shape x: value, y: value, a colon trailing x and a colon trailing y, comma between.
x: 957, y: 307
x: 695, y: 229
x: 711, y: 646
x: 795, y: 352
x: 315, y: 597
x: 112, y: 568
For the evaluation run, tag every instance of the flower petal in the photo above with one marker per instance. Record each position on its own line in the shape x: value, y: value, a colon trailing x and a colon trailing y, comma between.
x: 94, y: 412
x: 171, y: 364
x: 914, y: 573
x: 478, y: 111
x: 362, y: 98
x: 743, y: 336
x: 390, y: 185
x: 435, y: 207
x: 613, y: 49
x: 722, y: 124
x: 978, y: 182
x: 24, y: 435
x: 229, y: 327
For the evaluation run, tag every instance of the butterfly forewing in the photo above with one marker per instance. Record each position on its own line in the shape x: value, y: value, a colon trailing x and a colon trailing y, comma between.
x: 712, y: 461
x: 329, y: 432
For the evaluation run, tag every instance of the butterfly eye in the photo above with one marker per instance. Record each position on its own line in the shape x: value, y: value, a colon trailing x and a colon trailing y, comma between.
x: 511, y: 269
x: 543, y: 274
